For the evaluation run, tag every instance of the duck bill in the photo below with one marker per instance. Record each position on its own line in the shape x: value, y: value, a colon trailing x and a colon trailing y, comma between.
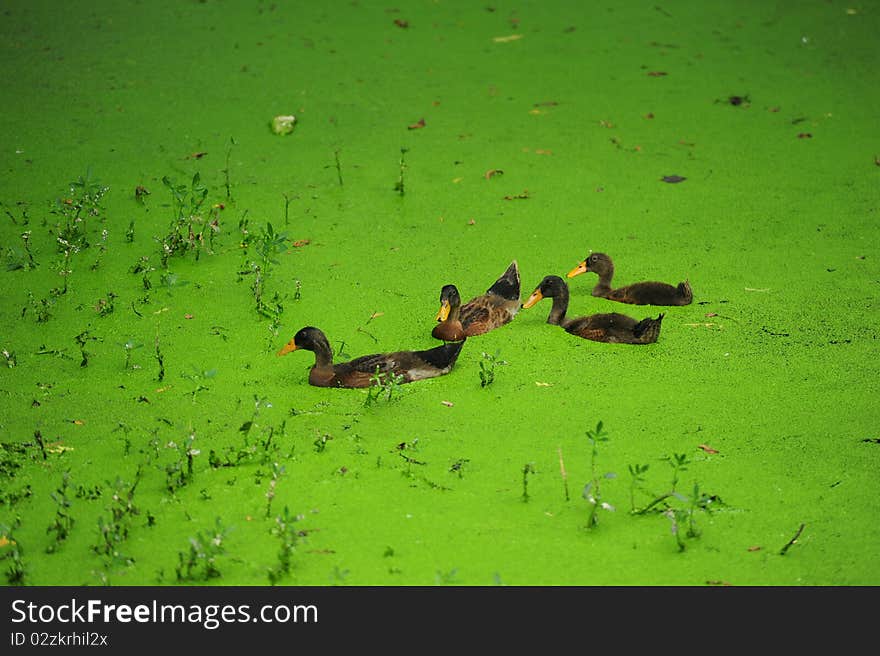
x: 578, y: 270
x: 443, y: 314
x: 287, y: 348
x: 534, y: 298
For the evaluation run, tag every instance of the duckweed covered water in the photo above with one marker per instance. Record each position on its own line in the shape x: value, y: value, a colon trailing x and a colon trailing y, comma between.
x: 433, y: 144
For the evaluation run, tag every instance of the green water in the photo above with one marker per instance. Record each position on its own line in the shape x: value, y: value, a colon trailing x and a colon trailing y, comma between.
x: 766, y: 383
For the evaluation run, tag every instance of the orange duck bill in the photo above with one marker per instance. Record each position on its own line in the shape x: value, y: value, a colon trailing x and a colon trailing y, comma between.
x: 443, y: 313
x: 578, y: 270
x: 287, y: 348
x: 534, y: 298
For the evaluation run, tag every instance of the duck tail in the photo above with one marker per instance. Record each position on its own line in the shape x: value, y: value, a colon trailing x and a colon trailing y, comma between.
x: 442, y: 357
x: 507, y: 286
x: 685, y: 292
x: 648, y: 330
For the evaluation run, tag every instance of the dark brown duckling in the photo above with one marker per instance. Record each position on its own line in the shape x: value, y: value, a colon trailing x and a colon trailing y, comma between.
x: 613, y: 327
x: 640, y: 293
x: 412, y: 365
x: 498, y: 306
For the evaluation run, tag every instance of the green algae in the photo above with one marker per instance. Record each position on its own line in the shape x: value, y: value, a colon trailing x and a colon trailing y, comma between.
x: 767, y: 382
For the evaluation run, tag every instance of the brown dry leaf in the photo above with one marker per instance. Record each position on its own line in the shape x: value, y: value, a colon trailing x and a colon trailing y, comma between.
x: 197, y: 155
x: 299, y: 243
x: 418, y: 124
x: 657, y: 73
x: 543, y: 151
x: 457, y: 180
x: 5, y: 542
x: 523, y: 196
x: 754, y: 548
x: 448, y: 404
x: 491, y: 173
x: 472, y: 222
x: 540, y: 384
x: 57, y: 447
x: 507, y: 39
x: 711, y: 314
x: 78, y: 422
x: 376, y: 315
x: 707, y: 448
x: 188, y: 316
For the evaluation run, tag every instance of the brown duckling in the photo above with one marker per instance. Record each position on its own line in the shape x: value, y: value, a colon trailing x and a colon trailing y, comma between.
x: 495, y: 308
x: 412, y: 365
x: 612, y: 327
x: 640, y: 293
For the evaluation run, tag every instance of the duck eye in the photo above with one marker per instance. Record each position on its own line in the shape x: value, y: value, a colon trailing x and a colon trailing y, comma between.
x: 593, y: 258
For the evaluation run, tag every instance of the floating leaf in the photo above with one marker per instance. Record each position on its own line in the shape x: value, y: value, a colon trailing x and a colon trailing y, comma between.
x: 707, y: 448
x: 673, y: 178
x: 283, y: 124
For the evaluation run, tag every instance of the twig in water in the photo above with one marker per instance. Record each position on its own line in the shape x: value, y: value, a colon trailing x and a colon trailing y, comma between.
x: 528, y: 468
x: 792, y: 541
x: 399, y: 186
x: 226, y: 182
x: 562, y: 471
x: 338, y: 167
x: 159, y: 358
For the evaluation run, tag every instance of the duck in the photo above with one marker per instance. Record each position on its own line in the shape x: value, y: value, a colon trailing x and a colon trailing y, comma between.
x: 361, y: 372
x: 612, y: 327
x: 497, y: 307
x: 640, y: 293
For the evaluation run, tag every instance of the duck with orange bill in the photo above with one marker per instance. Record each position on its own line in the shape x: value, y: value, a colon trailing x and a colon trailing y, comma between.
x: 497, y: 307
x: 639, y: 293
x: 411, y: 365
x: 612, y: 327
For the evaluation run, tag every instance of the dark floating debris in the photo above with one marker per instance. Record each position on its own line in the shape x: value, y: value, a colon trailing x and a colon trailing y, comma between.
x: 673, y: 178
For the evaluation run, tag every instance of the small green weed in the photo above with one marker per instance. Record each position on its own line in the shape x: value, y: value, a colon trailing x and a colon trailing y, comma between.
x: 10, y: 550
x: 64, y: 521
x: 382, y: 384
x: 592, y: 490
x: 288, y: 535
x: 488, y: 363
x: 199, y: 562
